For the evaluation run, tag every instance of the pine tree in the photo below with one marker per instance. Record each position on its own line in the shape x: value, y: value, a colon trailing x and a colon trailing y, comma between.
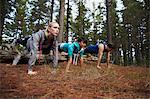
x: 82, y: 23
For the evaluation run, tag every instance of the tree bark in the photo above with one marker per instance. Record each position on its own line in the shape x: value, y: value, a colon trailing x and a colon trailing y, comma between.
x: 2, y: 17
x: 61, y: 21
x: 52, y: 6
x: 108, y: 16
x: 125, y: 57
x: 67, y: 23
x: 147, y: 7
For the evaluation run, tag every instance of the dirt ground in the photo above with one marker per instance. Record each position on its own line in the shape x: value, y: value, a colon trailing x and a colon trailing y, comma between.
x: 86, y: 82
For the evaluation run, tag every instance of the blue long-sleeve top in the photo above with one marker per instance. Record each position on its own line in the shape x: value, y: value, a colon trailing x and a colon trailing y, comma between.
x: 71, y: 48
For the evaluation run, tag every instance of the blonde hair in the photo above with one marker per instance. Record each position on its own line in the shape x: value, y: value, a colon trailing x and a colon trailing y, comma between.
x: 49, y: 25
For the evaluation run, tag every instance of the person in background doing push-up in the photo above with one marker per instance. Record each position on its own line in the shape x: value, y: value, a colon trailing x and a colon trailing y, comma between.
x: 72, y: 48
x: 100, y: 49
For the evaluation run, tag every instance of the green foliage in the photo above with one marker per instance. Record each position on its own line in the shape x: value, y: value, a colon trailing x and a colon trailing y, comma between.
x: 133, y: 36
x: 28, y: 17
x: 39, y: 15
x: 81, y: 23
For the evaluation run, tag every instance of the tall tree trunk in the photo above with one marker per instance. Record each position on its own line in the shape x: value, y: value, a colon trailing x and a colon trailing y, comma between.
x: 137, y: 55
x: 125, y: 57
x: 108, y: 16
x: 52, y: 6
x: 130, y: 58
x: 147, y: 7
x: 116, y: 57
x: 61, y: 20
x: 67, y: 23
x: 2, y: 17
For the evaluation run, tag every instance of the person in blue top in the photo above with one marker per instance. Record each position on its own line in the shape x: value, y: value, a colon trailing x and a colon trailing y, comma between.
x: 38, y: 43
x: 100, y: 49
x: 72, y: 48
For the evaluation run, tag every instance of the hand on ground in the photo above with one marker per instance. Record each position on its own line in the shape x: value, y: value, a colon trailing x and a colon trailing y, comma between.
x: 99, y: 67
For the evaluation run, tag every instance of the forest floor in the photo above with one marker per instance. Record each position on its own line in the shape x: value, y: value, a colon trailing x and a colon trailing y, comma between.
x: 86, y: 82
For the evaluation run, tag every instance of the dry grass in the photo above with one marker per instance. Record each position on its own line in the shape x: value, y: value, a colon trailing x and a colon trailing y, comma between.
x: 86, y: 82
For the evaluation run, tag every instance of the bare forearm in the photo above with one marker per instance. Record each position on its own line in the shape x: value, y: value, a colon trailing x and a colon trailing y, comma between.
x: 108, y: 61
x: 108, y: 58
x: 99, y: 60
x: 69, y: 62
x: 81, y: 61
x: 68, y: 65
